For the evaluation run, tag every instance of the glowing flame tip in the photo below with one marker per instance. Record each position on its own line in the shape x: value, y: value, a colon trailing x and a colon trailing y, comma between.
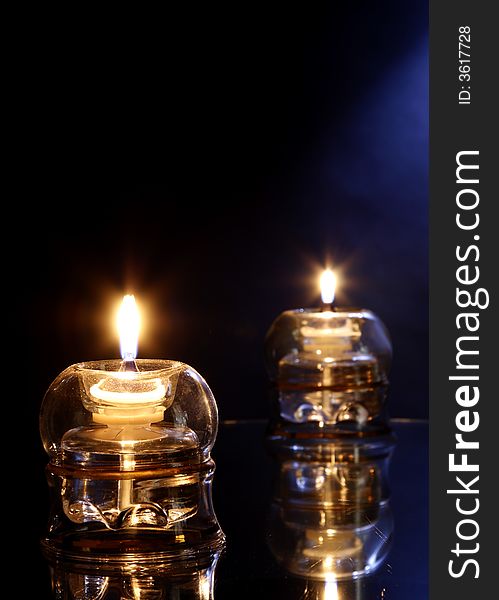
x: 328, y: 286
x: 128, y: 327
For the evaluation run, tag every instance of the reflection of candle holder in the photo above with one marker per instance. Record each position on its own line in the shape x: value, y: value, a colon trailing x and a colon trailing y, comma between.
x: 330, y: 518
x: 130, y: 467
x: 330, y: 370
x: 136, y: 579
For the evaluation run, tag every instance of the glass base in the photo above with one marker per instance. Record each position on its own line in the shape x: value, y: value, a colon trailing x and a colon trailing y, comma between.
x: 131, y: 550
x: 160, y: 515
x: 135, y: 576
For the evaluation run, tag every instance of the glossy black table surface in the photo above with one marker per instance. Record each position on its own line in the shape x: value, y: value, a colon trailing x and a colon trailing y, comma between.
x: 242, y: 494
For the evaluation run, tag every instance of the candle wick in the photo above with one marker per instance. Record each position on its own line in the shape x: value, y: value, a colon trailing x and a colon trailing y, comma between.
x: 129, y: 364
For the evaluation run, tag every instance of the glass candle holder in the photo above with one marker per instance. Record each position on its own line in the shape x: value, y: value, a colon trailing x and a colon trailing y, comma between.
x: 130, y: 468
x: 330, y: 368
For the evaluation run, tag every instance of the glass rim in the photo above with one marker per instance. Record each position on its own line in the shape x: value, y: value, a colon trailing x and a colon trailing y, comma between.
x: 107, y: 367
x: 342, y: 311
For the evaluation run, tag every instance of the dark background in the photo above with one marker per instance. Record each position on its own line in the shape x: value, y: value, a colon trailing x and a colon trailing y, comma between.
x: 279, y: 138
x: 274, y: 138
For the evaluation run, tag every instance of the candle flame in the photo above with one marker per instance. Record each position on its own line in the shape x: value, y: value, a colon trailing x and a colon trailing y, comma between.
x: 128, y: 327
x: 328, y: 286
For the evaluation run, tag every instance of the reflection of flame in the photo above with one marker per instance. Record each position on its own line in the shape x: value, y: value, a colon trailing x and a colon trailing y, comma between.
x: 328, y: 286
x: 128, y: 327
x: 330, y: 588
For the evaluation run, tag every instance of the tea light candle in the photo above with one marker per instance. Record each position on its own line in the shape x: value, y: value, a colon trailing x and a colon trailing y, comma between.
x: 329, y: 337
x: 121, y: 398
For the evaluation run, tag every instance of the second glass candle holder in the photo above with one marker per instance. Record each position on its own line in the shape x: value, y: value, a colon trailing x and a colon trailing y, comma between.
x: 330, y: 368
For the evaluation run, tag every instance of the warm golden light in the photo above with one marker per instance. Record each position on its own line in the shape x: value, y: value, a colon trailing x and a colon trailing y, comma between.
x: 330, y: 588
x: 328, y: 286
x: 128, y: 327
